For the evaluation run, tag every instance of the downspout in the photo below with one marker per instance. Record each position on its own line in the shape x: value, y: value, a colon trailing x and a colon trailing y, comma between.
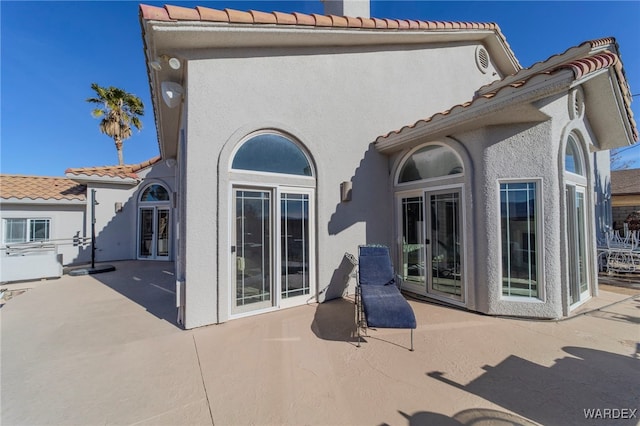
x: 218, y: 244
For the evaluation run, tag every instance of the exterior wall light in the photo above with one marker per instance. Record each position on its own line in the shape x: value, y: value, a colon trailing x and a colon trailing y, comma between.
x: 174, y: 63
x: 345, y: 191
x: 171, y: 93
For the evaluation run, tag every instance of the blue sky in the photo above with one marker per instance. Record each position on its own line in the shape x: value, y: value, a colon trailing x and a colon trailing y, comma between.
x: 52, y: 51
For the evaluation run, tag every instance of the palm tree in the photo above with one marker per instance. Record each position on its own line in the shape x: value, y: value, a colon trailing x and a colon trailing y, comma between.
x: 119, y: 110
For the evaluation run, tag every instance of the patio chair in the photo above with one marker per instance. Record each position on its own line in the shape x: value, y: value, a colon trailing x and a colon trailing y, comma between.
x: 379, y: 303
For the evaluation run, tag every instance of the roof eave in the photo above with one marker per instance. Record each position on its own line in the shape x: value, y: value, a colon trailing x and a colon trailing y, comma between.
x: 479, y: 113
x: 42, y: 201
x: 606, y: 110
x: 81, y: 178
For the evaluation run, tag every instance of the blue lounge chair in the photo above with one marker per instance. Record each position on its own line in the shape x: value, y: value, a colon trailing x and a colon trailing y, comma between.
x: 379, y: 303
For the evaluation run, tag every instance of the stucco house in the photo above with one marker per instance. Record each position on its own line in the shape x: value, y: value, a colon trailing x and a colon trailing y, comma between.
x: 625, y: 196
x: 133, y: 217
x: 299, y: 137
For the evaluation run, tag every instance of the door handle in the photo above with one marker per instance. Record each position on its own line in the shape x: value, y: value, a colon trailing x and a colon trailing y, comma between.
x: 233, y: 249
x: 427, y: 241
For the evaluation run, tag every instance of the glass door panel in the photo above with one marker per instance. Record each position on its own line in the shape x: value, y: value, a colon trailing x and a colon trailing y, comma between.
x: 444, y: 244
x: 162, y: 233
x: 294, y: 247
x: 146, y: 233
x: 412, y: 247
x: 576, y: 244
x: 253, y: 248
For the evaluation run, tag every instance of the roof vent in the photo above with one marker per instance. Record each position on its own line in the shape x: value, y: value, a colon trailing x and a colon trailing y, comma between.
x: 576, y: 104
x: 482, y: 59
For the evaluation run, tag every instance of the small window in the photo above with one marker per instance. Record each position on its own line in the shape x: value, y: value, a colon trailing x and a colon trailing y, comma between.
x: 155, y: 192
x: 26, y: 230
x: 573, y: 157
x: 273, y: 153
x: 429, y: 162
x: 519, y: 234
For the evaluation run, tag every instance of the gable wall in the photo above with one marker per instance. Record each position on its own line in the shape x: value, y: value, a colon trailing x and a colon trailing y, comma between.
x: 336, y: 103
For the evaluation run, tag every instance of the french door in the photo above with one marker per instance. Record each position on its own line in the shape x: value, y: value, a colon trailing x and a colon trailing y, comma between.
x: 272, y: 255
x: 576, y: 244
x: 431, y: 243
x: 153, y: 233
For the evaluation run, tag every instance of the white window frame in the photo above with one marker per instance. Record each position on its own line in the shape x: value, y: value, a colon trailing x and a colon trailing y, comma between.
x: 278, y: 301
x: 539, y: 240
x: 434, y: 180
x: 29, y: 236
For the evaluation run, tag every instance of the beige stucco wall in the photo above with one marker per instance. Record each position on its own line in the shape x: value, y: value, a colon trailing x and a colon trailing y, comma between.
x: 335, y: 102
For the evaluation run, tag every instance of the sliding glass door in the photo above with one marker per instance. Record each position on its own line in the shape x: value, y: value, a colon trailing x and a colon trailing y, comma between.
x: 273, y: 258
x: 431, y: 243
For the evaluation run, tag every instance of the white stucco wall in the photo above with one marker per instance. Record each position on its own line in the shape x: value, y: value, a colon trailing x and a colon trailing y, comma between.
x: 335, y: 102
x: 116, y: 232
x: 66, y: 222
x: 529, y: 152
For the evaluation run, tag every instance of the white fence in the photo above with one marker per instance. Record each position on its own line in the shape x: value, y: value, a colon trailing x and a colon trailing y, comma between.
x: 35, y: 260
x: 622, y: 252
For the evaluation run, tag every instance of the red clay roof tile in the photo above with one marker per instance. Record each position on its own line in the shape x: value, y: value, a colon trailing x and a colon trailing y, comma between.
x: 41, y: 188
x: 338, y: 21
x: 322, y: 20
x: 214, y: 15
x: 579, y: 67
x: 180, y: 13
x: 238, y: 17
x: 285, y: 18
x: 123, y: 172
x: 304, y: 19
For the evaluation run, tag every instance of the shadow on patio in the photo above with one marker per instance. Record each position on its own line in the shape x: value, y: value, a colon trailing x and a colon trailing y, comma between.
x: 574, y: 387
x: 150, y: 284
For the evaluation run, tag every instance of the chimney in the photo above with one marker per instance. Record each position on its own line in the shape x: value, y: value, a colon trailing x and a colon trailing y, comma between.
x: 353, y: 8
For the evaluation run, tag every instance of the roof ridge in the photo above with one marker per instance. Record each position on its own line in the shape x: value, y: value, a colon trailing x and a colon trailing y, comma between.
x: 596, y: 43
x: 579, y: 67
x: 136, y: 166
x: 32, y: 176
x: 232, y: 16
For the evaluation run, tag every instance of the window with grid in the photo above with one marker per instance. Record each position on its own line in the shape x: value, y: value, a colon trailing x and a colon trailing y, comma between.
x: 519, y: 232
x: 23, y: 230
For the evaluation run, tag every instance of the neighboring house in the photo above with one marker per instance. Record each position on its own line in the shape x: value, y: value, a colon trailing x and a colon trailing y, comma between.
x: 282, y: 126
x: 52, y: 216
x: 625, y: 195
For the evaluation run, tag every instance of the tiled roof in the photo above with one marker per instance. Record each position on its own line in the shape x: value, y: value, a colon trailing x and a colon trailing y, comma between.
x: 580, y: 68
x: 625, y: 182
x: 40, y: 188
x: 125, y: 171
x: 178, y: 13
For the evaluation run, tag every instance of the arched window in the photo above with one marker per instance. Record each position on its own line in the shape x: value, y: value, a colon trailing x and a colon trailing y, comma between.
x: 429, y: 162
x: 573, y: 157
x: 155, y: 192
x: 273, y: 153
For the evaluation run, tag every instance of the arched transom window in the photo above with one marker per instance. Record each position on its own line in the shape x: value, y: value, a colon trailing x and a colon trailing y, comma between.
x: 273, y: 153
x: 154, y: 193
x: 573, y: 157
x: 430, y: 162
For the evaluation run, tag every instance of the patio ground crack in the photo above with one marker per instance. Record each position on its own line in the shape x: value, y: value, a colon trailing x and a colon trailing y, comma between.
x: 204, y: 386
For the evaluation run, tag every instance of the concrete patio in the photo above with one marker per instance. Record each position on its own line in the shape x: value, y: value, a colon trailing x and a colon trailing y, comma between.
x: 105, y: 349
